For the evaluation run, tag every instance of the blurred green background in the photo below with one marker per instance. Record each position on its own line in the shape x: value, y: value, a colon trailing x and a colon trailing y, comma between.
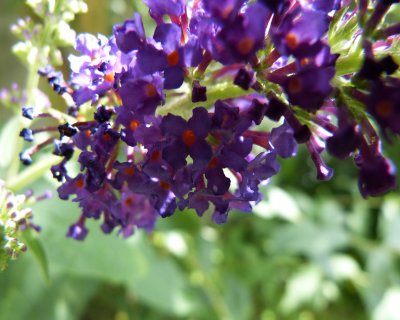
x: 311, y: 250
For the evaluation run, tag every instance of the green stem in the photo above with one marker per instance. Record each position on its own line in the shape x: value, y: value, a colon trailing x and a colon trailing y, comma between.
x: 40, y: 58
x: 209, y: 286
x: 183, y: 105
x: 367, y: 245
x: 32, y: 173
x: 348, y: 64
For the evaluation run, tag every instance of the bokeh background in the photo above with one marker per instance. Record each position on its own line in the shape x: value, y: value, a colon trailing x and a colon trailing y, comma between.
x: 310, y: 250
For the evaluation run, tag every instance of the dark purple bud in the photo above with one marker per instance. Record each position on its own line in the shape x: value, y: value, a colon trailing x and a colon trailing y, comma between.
x: 257, y: 111
x: 78, y: 231
x: 27, y: 134
x: 275, y: 109
x: 217, y: 182
x: 28, y: 112
x: 275, y: 5
x: 302, y: 134
x: 25, y: 158
x: 65, y: 150
x: 388, y: 65
x: 370, y: 69
x: 376, y: 176
x: 102, y: 114
x: 43, y: 72
x: 73, y: 111
x: 199, y: 92
x: 343, y: 142
x: 67, y: 130
x: 389, y: 2
x: 244, y: 79
x: 59, y: 171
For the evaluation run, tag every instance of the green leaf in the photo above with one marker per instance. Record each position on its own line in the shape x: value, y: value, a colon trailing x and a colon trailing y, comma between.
x: 237, y: 298
x: 302, y: 289
x: 35, y: 246
x: 162, y: 285
x: 309, y: 239
x: 388, y: 307
x: 23, y: 294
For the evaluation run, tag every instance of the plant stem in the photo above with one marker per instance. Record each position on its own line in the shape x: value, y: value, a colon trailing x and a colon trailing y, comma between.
x: 183, y: 105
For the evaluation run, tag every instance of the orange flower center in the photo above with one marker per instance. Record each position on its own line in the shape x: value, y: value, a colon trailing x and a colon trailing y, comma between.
x: 189, y: 137
x: 165, y: 185
x: 156, y: 155
x: 109, y: 77
x: 151, y: 90
x: 291, y: 40
x: 304, y: 61
x: 227, y: 11
x: 173, y: 58
x: 213, y: 163
x: 128, y: 201
x: 245, y: 45
x: 129, y: 171
x: 384, y: 108
x: 106, y: 137
x: 294, y: 85
x: 134, y: 124
x: 79, y: 183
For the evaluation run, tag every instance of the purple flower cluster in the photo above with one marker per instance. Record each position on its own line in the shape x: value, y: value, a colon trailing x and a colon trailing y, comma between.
x: 136, y: 165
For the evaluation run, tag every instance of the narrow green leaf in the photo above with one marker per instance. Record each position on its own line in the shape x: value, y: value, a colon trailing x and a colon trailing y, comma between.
x: 35, y: 246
